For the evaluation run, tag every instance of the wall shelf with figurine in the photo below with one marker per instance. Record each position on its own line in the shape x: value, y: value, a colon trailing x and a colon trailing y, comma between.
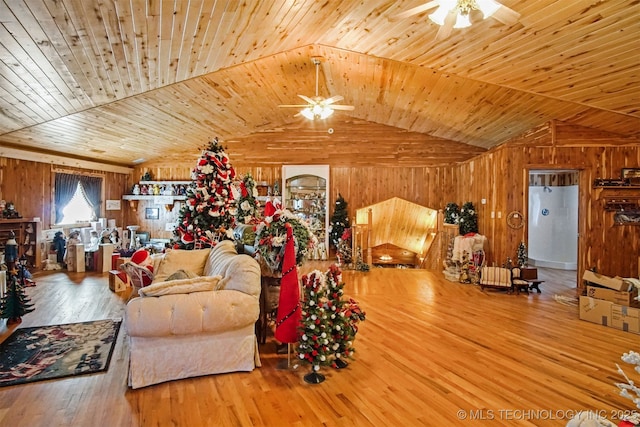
x: 155, y: 190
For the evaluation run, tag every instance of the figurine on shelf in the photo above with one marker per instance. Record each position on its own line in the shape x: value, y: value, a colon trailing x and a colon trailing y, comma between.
x: 156, y: 189
x: 10, y: 211
x: 146, y: 176
x: 144, y: 190
x: 115, y: 239
x: 136, y: 189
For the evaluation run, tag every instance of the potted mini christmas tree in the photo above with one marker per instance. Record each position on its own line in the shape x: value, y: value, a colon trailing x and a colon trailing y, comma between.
x: 313, y: 346
x: 208, y: 214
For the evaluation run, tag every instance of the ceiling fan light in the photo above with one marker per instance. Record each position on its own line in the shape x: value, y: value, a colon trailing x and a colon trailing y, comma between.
x: 462, y: 21
x: 326, y: 112
x: 308, y: 113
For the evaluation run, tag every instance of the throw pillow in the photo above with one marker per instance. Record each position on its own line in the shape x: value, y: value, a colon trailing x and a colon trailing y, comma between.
x: 219, y: 255
x: 182, y: 286
x: 181, y: 274
x: 176, y: 259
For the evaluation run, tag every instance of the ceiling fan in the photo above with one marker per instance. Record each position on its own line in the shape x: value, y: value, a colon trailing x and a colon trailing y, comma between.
x: 318, y: 107
x: 461, y: 13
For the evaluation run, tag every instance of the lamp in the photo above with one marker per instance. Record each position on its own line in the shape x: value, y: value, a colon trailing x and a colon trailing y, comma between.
x: 317, y: 112
x: 467, y: 11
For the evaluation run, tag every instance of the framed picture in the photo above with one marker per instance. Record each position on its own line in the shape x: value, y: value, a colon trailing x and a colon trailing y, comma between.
x: 630, y: 173
x: 152, y: 213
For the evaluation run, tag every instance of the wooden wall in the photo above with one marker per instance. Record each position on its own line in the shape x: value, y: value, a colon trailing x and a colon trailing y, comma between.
x: 501, y: 176
x: 29, y: 185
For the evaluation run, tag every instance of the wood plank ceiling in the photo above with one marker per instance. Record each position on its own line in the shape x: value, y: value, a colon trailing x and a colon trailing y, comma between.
x: 125, y: 80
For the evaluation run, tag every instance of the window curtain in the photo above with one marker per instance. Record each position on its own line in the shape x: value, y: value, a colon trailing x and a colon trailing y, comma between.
x: 92, y: 187
x: 66, y: 185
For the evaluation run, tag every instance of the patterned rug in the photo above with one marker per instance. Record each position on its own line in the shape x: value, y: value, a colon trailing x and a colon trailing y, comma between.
x: 58, y: 351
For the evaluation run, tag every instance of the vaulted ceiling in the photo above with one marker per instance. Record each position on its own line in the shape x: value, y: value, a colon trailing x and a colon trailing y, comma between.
x: 126, y: 80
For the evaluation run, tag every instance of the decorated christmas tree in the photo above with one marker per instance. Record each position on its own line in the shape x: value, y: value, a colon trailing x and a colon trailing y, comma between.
x: 344, y: 250
x: 208, y: 214
x: 15, y: 303
x: 522, y: 254
x: 343, y: 318
x: 451, y: 213
x: 468, y: 219
x: 313, y: 346
x: 248, y: 204
x: 339, y: 221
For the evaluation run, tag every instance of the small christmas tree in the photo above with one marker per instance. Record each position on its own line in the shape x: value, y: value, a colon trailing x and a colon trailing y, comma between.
x: 343, y: 317
x: 208, y: 214
x: 339, y: 221
x: 247, y: 202
x: 15, y: 303
x: 341, y: 345
x: 468, y: 219
x: 313, y: 346
x: 451, y: 213
x: 522, y: 254
x: 343, y: 251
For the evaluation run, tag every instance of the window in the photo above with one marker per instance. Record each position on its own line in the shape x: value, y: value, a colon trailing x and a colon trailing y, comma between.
x: 78, y: 209
x: 78, y: 198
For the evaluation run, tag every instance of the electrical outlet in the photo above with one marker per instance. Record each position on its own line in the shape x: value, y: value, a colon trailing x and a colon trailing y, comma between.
x: 499, y: 214
x: 483, y: 201
x: 493, y: 214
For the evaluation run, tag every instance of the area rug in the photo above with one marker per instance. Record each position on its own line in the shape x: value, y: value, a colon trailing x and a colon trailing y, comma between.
x: 58, y: 351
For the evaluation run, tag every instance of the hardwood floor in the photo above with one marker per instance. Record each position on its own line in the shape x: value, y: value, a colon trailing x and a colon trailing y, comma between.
x: 430, y: 353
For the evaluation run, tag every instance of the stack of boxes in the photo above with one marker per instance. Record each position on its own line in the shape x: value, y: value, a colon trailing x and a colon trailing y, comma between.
x: 611, y: 301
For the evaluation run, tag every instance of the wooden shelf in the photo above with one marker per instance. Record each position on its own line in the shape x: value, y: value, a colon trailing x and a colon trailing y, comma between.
x: 28, y: 236
x: 151, y: 197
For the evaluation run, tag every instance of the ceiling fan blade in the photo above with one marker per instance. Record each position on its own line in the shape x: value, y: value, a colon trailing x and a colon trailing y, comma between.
x: 309, y: 100
x: 343, y: 107
x: 414, y: 11
x: 293, y: 106
x: 506, y: 16
x: 449, y: 21
x: 333, y: 99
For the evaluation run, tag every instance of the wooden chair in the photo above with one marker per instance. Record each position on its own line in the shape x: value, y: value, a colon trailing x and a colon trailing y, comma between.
x: 518, y: 281
x: 138, y: 276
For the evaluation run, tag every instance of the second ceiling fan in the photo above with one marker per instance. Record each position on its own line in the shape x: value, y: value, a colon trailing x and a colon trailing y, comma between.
x: 318, y: 107
x: 461, y: 13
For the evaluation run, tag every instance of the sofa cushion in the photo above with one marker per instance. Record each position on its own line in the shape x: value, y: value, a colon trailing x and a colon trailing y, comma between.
x: 176, y: 259
x: 181, y: 286
x: 239, y: 272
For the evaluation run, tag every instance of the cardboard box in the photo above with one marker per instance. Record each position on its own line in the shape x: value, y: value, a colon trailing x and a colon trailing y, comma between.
x: 609, y: 314
x: 118, y: 281
x: 618, y: 297
x: 615, y: 283
x: 625, y: 318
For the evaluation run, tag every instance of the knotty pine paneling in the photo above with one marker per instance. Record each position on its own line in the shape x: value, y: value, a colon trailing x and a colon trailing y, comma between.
x: 30, y: 186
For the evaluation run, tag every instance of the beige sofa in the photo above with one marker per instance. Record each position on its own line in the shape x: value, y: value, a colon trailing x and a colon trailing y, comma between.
x: 196, y: 326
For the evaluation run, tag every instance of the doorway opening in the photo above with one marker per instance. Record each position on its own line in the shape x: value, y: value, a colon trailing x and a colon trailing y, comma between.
x: 553, y: 222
